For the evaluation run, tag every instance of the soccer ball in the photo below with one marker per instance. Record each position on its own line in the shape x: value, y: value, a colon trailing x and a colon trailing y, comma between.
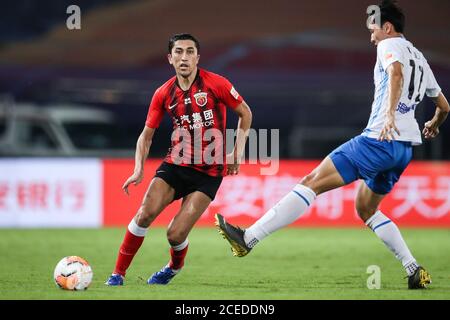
x: 73, y: 273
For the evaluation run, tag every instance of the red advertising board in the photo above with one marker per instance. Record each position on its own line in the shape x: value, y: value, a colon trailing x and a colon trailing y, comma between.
x: 420, y: 198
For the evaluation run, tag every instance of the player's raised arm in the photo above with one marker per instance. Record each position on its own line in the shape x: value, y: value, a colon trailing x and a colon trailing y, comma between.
x: 244, y: 123
x: 395, y: 91
x: 142, y: 149
x: 431, y: 128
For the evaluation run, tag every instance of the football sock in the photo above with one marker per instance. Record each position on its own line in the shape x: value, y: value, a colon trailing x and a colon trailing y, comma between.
x: 411, y: 267
x: 286, y: 211
x: 131, y: 243
x: 389, y: 233
x: 177, y: 255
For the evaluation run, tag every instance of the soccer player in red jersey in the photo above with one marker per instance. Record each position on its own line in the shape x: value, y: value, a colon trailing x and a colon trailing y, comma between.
x: 193, y: 169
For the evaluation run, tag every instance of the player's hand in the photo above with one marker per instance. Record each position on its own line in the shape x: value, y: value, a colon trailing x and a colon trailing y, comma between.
x: 430, y: 131
x: 232, y: 165
x: 387, y: 133
x: 136, y: 178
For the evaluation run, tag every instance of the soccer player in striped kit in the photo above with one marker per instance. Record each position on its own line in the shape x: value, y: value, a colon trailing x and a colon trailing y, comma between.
x: 378, y: 156
x: 193, y: 169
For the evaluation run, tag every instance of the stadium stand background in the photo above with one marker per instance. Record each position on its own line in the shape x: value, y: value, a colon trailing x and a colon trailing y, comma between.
x: 304, y: 67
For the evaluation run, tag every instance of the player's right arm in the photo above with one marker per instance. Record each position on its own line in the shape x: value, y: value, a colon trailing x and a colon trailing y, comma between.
x: 154, y: 117
x: 142, y: 149
x: 431, y: 128
x: 395, y: 72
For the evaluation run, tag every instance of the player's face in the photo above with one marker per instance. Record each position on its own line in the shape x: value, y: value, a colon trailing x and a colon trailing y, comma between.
x: 377, y: 34
x: 184, y: 57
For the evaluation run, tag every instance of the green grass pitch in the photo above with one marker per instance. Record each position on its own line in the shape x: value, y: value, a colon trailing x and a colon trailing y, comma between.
x: 294, y: 263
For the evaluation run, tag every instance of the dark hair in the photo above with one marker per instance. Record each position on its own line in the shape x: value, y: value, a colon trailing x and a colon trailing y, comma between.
x: 391, y: 12
x: 183, y: 36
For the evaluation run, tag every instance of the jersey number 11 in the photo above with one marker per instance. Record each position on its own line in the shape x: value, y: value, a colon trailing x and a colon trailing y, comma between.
x: 412, y: 63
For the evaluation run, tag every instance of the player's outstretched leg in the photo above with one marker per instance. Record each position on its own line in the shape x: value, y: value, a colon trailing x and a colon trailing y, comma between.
x: 234, y: 235
x: 291, y: 207
x: 286, y: 211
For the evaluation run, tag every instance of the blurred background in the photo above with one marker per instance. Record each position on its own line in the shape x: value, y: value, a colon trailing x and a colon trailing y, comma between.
x: 305, y: 67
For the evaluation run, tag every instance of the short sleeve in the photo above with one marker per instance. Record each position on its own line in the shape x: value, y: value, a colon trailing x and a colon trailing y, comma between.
x: 155, y: 111
x: 228, y: 94
x: 388, y: 53
x: 432, y: 89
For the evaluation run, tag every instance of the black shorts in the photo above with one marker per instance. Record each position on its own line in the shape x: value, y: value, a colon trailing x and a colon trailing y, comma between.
x: 186, y: 180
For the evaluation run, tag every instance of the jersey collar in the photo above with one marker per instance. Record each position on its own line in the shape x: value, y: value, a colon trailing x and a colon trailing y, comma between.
x: 195, y: 80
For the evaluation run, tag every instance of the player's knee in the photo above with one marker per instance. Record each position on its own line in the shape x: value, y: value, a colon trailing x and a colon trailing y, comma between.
x: 312, y: 182
x: 308, y: 180
x: 146, y: 215
x: 175, y: 237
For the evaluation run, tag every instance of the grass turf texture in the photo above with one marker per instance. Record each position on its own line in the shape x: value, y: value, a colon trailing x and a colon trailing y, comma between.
x: 294, y: 263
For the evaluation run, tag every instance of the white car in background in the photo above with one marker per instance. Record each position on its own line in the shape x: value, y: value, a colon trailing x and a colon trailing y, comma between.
x: 61, y: 130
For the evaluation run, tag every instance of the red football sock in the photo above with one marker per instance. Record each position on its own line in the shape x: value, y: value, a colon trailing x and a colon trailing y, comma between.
x: 177, y: 258
x: 128, y: 249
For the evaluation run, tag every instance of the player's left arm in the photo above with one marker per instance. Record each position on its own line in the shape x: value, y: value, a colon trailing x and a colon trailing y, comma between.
x: 431, y: 128
x: 395, y: 72
x: 244, y: 123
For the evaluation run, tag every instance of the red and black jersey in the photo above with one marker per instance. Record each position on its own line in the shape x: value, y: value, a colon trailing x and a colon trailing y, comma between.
x: 199, y: 120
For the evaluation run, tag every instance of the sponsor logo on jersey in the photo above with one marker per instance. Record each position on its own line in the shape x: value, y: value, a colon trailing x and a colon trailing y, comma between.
x: 201, y: 98
x: 403, y: 108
